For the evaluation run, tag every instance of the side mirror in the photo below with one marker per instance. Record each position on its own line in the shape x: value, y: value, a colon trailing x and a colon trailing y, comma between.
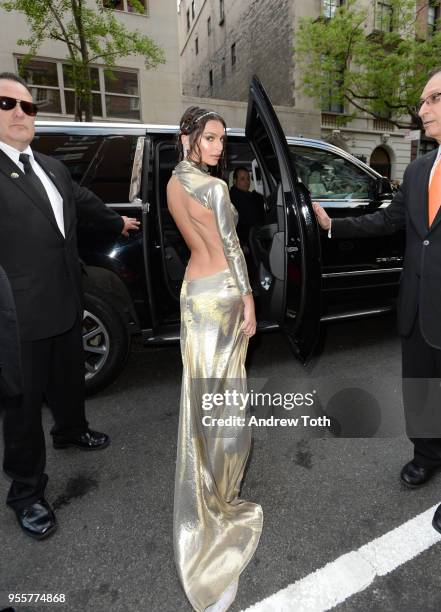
x: 383, y: 188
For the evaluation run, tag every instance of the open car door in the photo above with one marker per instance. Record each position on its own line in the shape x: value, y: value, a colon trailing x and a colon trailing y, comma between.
x: 287, y: 248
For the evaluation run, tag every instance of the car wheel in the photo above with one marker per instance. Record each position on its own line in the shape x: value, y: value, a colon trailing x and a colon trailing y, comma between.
x: 106, y: 342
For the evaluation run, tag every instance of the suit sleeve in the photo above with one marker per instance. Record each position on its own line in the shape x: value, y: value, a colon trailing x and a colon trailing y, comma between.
x: 380, y: 223
x: 92, y: 213
x: 221, y: 206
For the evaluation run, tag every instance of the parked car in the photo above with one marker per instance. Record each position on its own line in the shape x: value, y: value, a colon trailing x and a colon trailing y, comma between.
x: 300, y: 277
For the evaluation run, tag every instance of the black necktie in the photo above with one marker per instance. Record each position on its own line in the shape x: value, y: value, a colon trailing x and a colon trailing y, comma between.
x: 33, y: 178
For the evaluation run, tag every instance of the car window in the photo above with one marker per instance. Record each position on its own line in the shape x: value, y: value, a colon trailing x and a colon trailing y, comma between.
x: 239, y: 154
x: 75, y: 151
x: 329, y: 176
x: 109, y: 174
x: 100, y: 162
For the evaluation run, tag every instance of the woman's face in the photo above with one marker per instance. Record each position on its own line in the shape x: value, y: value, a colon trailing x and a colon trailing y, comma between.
x: 211, y: 142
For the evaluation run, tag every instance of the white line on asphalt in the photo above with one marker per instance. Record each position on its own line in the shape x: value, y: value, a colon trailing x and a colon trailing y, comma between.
x: 354, y: 571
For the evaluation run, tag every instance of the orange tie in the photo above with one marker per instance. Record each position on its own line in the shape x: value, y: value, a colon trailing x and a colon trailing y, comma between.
x: 435, y: 192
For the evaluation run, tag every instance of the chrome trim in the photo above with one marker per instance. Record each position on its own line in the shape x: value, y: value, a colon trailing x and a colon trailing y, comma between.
x: 136, y: 205
x: 135, y: 179
x: 357, y: 314
x: 361, y: 272
x: 150, y: 128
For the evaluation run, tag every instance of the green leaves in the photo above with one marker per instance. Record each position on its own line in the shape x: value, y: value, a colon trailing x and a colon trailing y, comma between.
x: 91, y: 35
x: 356, y: 59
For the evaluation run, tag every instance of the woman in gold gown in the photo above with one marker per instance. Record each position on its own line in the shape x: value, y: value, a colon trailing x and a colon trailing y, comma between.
x: 215, y: 532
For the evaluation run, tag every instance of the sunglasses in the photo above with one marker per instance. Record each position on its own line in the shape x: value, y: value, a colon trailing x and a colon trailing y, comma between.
x: 8, y: 104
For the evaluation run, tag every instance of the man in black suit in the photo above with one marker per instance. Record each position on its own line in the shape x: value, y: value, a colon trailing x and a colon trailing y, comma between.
x: 38, y: 251
x: 416, y: 206
x: 249, y: 204
x: 11, y: 383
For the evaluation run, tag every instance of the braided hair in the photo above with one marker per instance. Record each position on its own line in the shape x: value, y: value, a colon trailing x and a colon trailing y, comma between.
x: 192, y: 124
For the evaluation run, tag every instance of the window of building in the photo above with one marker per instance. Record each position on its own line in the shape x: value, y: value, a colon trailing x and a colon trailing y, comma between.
x: 210, y: 78
x: 329, y: 7
x: 127, y: 6
x: 188, y: 19
x: 383, y: 16
x: 209, y: 26
x: 192, y: 10
x: 329, y: 103
x: 223, y: 71
x: 115, y: 93
x: 198, y: 90
x: 221, y: 11
x: 233, y: 54
x: 433, y: 15
x: 43, y: 79
x: 196, y: 45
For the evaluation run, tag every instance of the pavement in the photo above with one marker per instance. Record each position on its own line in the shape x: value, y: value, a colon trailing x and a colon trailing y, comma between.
x: 323, y: 494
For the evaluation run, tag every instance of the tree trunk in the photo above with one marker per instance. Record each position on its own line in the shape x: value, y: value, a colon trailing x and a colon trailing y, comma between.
x: 86, y: 93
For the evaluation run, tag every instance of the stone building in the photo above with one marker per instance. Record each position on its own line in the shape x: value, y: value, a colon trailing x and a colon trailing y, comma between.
x: 135, y: 94
x: 224, y: 42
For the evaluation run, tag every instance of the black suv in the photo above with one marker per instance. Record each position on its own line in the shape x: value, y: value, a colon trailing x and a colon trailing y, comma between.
x: 299, y: 276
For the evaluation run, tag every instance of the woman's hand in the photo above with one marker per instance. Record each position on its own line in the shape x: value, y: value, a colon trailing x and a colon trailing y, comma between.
x: 249, y: 316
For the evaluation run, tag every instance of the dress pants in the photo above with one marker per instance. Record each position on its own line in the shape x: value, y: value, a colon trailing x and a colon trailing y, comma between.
x: 53, y: 369
x: 421, y: 370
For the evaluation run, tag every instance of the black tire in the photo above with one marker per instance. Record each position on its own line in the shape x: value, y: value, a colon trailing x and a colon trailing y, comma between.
x: 106, y: 341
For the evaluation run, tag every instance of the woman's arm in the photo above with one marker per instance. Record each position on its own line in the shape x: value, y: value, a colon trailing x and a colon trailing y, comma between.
x: 221, y: 206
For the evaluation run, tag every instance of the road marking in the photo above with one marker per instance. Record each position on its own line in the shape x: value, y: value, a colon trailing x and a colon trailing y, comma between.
x: 355, y: 571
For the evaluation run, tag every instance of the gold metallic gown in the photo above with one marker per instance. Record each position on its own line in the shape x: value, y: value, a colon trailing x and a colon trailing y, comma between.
x: 215, y: 532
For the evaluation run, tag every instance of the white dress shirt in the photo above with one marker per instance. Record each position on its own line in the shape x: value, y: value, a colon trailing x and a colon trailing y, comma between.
x: 52, y: 192
x: 435, y: 164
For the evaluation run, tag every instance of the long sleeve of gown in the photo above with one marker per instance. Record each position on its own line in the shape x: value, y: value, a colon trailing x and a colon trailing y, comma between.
x: 221, y: 205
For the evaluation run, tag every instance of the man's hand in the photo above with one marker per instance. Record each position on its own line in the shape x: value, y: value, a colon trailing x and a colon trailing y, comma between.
x: 130, y: 223
x: 322, y: 217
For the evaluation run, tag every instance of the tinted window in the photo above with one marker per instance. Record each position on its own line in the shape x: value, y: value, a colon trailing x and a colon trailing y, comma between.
x: 101, y: 163
x: 331, y: 177
x: 109, y: 176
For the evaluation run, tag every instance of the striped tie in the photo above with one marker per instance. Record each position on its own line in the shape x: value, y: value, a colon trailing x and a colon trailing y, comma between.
x: 435, y: 192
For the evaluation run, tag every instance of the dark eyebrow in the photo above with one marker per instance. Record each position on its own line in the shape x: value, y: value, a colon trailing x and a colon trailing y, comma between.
x: 434, y: 93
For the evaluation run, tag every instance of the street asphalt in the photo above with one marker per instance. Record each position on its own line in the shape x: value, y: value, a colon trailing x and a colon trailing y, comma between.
x: 324, y: 491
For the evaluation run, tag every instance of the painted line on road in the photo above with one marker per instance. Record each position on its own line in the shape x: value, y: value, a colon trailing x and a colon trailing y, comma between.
x: 355, y: 571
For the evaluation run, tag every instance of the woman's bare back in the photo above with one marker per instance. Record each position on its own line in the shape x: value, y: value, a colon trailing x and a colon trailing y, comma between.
x: 198, y: 227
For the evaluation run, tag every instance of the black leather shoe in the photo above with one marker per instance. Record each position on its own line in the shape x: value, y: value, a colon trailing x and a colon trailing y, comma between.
x: 436, y: 523
x: 414, y: 475
x: 87, y: 440
x: 37, y: 520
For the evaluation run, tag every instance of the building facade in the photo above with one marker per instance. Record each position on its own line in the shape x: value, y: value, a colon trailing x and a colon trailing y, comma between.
x: 224, y: 42
x: 133, y: 93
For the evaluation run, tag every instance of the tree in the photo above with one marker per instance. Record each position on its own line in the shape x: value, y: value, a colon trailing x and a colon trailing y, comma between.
x: 380, y: 70
x: 91, y: 35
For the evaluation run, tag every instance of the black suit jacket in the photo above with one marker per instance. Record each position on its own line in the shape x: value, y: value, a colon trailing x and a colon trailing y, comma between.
x: 42, y: 265
x: 250, y: 207
x: 421, y: 278
x: 11, y: 383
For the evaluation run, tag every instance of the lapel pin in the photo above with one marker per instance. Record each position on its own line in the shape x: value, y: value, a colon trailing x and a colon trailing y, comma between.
x: 14, y: 175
